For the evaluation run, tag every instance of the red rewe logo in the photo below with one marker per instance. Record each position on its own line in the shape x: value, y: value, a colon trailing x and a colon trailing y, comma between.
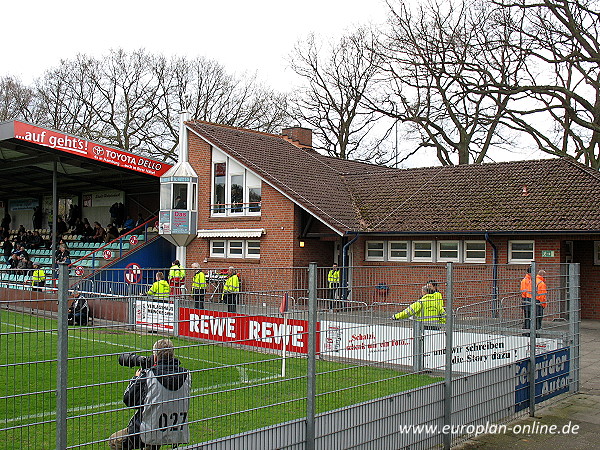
x: 98, y: 150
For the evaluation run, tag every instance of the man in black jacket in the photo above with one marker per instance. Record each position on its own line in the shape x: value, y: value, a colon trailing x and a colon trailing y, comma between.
x: 79, y: 311
x: 161, y: 395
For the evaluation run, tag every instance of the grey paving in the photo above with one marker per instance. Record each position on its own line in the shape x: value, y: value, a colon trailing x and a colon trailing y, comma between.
x: 581, y: 410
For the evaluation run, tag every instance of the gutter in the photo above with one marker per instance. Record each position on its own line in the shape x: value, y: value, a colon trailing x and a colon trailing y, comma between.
x: 345, y: 266
x: 495, y: 304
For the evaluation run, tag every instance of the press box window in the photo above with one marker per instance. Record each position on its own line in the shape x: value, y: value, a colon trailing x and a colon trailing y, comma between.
x: 520, y: 251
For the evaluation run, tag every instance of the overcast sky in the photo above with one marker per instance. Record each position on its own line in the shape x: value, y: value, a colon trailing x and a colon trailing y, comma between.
x: 244, y: 36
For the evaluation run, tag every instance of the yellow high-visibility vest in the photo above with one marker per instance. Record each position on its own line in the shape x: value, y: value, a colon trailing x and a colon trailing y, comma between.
x: 160, y: 289
x: 199, y: 281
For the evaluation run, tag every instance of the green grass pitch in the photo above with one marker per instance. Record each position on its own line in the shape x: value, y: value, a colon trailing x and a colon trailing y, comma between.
x: 233, y: 389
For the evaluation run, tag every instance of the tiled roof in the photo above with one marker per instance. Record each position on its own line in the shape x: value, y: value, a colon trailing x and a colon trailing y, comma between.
x: 314, y: 181
x: 562, y: 195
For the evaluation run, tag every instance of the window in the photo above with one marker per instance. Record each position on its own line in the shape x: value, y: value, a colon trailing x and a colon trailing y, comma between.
x: 422, y: 251
x: 520, y: 251
x: 398, y: 250
x: 374, y: 251
x: 596, y: 252
x: 220, y: 169
x: 234, y: 249
x: 252, y: 249
x: 236, y: 191
x: 447, y: 251
x: 474, y: 251
x: 217, y: 248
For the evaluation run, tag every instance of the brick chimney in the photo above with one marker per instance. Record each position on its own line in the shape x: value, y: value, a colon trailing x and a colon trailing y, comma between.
x: 303, y: 136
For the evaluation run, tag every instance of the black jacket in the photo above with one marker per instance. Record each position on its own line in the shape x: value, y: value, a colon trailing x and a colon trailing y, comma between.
x: 170, y: 374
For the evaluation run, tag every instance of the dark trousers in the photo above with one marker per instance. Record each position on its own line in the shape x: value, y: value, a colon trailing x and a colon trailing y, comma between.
x: 198, y: 295
x: 334, y: 292
x: 231, y: 300
x: 539, y: 313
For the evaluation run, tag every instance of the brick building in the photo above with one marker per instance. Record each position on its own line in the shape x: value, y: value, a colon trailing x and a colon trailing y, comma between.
x: 269, y: 200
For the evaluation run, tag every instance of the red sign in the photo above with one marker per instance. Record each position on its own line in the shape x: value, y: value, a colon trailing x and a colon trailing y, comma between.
x: 133, y: 240
x: 255, y: 331
x: 79, y: 271
x: 88, y: 149
x: 133, y: 273
x: 107, y: 254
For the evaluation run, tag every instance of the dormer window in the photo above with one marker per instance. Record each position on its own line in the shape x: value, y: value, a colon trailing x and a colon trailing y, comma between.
x: 236, y: 191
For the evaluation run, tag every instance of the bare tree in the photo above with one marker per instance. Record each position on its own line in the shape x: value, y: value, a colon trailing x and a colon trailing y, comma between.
x: 330, y: 101
x: 16, y: 100
x: 132, y: 100
x: 437, y: 62
x: 562, y: 87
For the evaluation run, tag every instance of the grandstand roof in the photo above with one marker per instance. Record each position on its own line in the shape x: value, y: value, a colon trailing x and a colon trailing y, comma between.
x: 28, y: 153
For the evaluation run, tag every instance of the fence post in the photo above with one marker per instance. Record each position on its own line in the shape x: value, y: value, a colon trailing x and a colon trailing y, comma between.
x: 448, y: 365
x: 312, y: 357
x: 418, y: 347
x: 574, y: 323
x: 62, y: 357
x: 176, y: 302
x: 532, y: 339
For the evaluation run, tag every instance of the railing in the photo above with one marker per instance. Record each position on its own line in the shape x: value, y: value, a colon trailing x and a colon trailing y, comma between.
x: 109, y: 246
x: 222, y: 208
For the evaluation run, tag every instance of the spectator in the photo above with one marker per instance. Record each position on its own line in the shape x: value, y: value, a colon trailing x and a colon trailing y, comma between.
x: 88, y: 233
x: 63, y: 256
x: 24, y: 265
x: 37, y: 218
x: 7, y: 248
x: 61, y: 227
x: 128, y: 225
x: 99, y: 233
x: 77, y: 227
x: 6, y: 222
x: 112, y: 233
x: 79, y: 311
x: 13, y: 261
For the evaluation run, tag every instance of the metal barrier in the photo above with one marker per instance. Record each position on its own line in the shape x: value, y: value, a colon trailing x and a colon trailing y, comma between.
x: 284, y: 370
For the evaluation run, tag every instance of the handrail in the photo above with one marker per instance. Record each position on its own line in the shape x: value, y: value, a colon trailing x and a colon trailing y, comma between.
x: 120, y: 239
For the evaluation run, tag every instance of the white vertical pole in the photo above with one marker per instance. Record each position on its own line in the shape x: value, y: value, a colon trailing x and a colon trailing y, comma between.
x: 285, y: 338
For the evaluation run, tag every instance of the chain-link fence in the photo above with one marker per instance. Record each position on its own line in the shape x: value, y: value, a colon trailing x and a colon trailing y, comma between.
x: 296, y: 358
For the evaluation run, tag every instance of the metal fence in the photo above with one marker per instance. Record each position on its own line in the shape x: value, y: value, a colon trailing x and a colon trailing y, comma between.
x: 293, y: 362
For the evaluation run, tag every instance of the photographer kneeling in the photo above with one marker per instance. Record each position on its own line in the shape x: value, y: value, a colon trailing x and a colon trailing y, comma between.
x: 161, y: 394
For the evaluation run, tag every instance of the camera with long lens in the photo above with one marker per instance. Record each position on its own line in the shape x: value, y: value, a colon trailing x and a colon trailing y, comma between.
x: 134, y: 360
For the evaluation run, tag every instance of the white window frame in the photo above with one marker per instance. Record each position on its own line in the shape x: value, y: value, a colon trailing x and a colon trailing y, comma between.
x: 466, y: 250
x: 252, y: 255
x: 214, y: 254
x: 414, y: 249
x: 231, y: 246
x: 441, y: 258
x: 398, y: 258
x: 512, y: 259
x: 232, y: 168
x: 227, y: 247
x: 375, y: 258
